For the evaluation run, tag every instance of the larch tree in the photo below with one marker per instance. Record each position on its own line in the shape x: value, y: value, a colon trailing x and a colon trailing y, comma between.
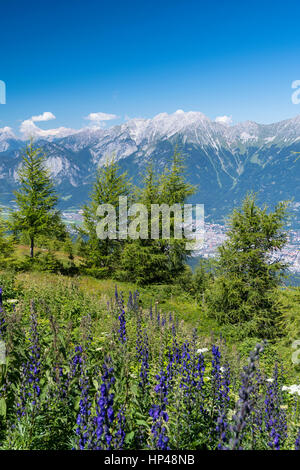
x: 36, y: 199
x: 109, y: 185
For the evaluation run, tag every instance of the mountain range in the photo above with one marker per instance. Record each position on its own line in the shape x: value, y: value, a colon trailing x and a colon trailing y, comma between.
x: 224, y: 161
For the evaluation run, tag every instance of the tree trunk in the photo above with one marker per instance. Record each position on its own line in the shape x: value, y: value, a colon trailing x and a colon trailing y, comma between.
x: 31, y: 247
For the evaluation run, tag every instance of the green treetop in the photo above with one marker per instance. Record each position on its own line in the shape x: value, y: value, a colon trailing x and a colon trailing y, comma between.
x: 174, y: 188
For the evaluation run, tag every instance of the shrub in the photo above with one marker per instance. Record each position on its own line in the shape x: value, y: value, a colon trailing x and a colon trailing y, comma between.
x: 98, y: 273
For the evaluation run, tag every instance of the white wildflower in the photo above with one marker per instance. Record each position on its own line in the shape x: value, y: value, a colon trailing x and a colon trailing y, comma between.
x: 201, y: 351
x: 293, y: 389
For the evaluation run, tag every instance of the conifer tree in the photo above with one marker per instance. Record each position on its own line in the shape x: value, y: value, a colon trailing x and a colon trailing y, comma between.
x: 250, y: 269
x: 108, y: 187
x: 159, y: 260
x: 143, y: 260
x: 36, y: 199
x: 175, y: 189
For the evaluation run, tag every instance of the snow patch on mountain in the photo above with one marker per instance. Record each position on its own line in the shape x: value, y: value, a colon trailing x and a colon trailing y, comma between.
x: 6, y: 134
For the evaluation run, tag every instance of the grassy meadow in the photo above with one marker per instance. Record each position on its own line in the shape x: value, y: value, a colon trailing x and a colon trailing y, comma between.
x: 100, y: 364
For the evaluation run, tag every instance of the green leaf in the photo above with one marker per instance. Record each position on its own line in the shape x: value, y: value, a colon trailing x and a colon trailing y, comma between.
x: 129, y: 437
x: 2, y: 407
x: 141, y: 422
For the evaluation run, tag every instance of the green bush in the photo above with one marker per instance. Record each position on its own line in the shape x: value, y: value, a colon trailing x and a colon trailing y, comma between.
x: 9, y: 288
x: 48, y: 263
x: 44, y: 262
x: 98, y: 273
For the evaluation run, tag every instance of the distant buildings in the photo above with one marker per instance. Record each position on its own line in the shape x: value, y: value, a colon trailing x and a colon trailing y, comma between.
x: 215, y: 235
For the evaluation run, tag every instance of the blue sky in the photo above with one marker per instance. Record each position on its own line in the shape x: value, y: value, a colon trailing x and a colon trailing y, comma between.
x: 137, y: 59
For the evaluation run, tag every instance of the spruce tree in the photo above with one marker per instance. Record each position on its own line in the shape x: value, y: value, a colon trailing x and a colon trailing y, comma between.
x: 108, y: 187
x: 143, y: 260
x: 250, y: 269
x: 159, y: 260
x: 175, y: 189
x: 36, y: 199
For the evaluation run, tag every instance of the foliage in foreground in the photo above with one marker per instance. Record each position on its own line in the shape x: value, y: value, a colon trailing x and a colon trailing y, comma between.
x: 86, y: 375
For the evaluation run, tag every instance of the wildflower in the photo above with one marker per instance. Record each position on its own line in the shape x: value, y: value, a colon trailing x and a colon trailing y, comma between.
x: 216, y: 373
x: 292, y: 389
x: 159, y: 414
x: 150, y: 312
x: 22, y: 393
x: 274, y: 416
x: 136, y: 300
x: 104, y: 410
x: 258, y: 408
x: 297, y: 443
x: 84, y: 413
x: 244, y: 405
x: 222, y: 423
x: 12, y: 301
x: 76, y: 361
x: 202, y: 350
x: 185, y: 368
x: 122, y: 330
x: 130, y: 302
x: 120, y: 433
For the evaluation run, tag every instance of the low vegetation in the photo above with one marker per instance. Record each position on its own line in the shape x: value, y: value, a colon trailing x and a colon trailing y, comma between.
x: 109, y: 344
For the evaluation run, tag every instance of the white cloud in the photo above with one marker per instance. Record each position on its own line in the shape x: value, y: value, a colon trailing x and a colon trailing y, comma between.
x: 46, y: 116
x: 226, y: 120
x: 101, y: 117
x: 98, y: 119
x: 29, y: 129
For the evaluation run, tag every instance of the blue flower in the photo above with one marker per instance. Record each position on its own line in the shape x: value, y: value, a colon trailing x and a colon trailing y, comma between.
x: 102, y: 435
x: 159, y: 414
